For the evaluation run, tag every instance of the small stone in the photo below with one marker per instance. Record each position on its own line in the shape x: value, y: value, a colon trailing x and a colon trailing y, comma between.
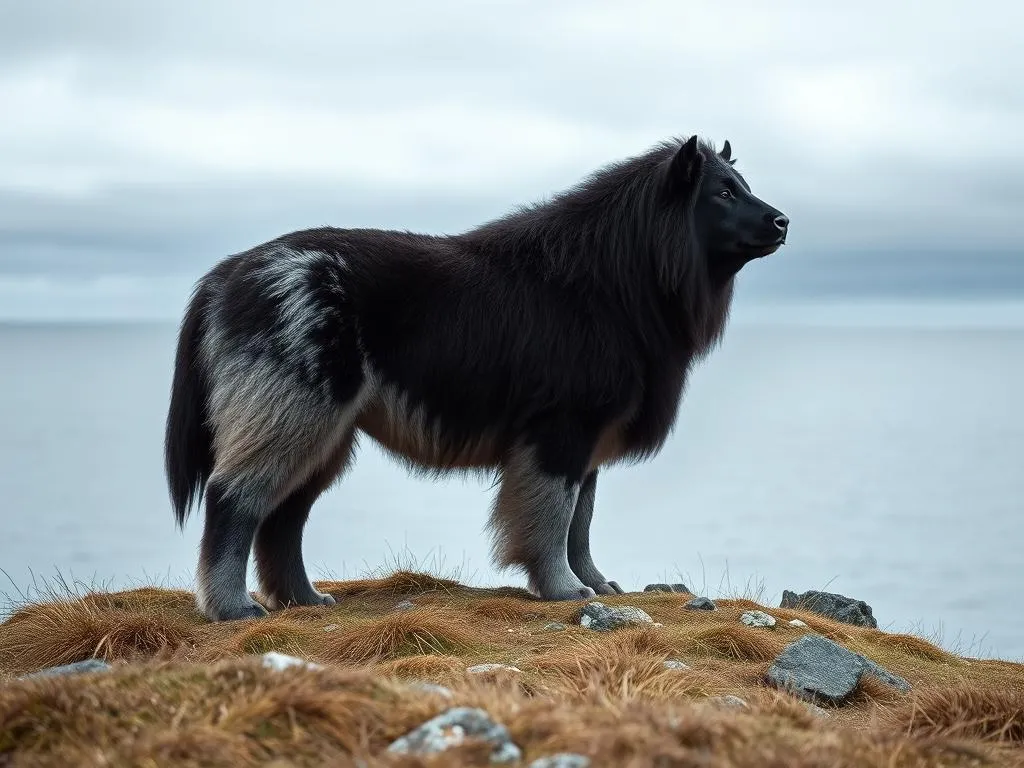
x: 675, y: 664
x: 555, y: 626
x: 757, y: 619
x: 434, y: 688
x: 330, y: 627
x: 815, y: 667
x: 477, y: 669
x: 405, y: 605
x: 834, y: 606
x: 797, y: 623
x: 817, y: 711
x: 602, y: 618
x: 89, y: 665
x: 701, y: 604
x: 561, y: 760
x: 280, y: 661
x: 667, y: 588
x: 452, y: 728
x: 729, y: 702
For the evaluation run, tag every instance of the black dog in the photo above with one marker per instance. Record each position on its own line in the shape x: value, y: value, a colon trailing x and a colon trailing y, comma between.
x: 541, y: 346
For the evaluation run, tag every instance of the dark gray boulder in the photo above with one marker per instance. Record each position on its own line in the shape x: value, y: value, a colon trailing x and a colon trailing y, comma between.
x: 701, y: 604
x: 832, y: 605
x: 667, y: 588
x: 818, y: 669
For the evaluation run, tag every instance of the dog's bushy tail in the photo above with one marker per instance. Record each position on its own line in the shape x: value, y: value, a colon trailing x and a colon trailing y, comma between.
x: 188, y: 441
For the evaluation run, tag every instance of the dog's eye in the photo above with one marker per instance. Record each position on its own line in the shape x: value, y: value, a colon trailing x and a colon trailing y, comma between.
x: 725, y: 194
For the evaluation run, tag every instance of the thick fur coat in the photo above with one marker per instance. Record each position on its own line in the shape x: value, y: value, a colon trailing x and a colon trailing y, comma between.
x: 540, y: 346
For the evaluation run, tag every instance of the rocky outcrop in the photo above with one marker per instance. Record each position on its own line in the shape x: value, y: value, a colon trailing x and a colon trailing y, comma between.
x: 834, y: 606
x: 667, y: 588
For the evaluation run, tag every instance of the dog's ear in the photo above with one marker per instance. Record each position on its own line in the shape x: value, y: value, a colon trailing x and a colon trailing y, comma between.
x: 726, y: 152
x: 687, y: 167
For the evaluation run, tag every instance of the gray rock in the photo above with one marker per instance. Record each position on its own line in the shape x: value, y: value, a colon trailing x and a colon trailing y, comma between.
x: 405, y: 605
x: 757, y: 619
x: 729, y: 702
x: 600, y: 617
x: 701, y: 604
x: 817, y: 711
x: 667, y: 588
x: 816, y: 668
x: 675, y: 664
x: 434, y: 688
x: 89, y: 665
x: 330, y: 627
x: 279, y: 661
x: 561, y: 760
x: 555, y: 626
x: 477, y: 669
x: 453, y: 727
x: 832, y: 605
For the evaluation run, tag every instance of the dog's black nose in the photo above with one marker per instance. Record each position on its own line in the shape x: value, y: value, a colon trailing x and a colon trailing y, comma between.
x: 780, y: 222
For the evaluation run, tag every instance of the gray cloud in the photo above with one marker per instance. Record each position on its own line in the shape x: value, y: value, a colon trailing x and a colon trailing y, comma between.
x: 149, y: 139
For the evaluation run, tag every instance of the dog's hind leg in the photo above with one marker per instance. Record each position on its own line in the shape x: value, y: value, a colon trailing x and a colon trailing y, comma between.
x: 273, y: 437
x: 580, y: 560
x: 531, y: 517
x: 278, y: 546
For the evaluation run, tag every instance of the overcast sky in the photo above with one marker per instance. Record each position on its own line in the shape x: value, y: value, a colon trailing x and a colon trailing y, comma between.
x: 141, y: 142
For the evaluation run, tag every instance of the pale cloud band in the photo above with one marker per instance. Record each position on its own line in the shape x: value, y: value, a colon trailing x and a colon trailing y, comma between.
x: 149, y: 139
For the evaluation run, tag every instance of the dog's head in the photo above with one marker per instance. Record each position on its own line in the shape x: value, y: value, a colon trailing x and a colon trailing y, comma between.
x: 730, y: 225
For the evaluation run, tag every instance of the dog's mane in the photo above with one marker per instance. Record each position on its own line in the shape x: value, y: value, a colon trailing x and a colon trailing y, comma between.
x: 618, y: 232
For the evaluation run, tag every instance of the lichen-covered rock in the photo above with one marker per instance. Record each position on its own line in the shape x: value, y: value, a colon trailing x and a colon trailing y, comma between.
x: 561, y: 760
x: 454, y: 727
x: 478, y: 669
x: 757, y: 619
x: 675, y: 664
x: 78, y: 667
x: 279, y: 661
x: 602, y: 618
x: 834, y: 606
x: 405, y: 605
x: 701, y: 604
x: 816, y: 668
x: 667, y: 588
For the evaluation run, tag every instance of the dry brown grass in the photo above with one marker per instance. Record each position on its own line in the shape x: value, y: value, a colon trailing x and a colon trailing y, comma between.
x: 192, y: 694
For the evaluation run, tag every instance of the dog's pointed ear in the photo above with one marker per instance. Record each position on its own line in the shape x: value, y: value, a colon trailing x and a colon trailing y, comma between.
x: 726, y: 152
x: 687, y: 166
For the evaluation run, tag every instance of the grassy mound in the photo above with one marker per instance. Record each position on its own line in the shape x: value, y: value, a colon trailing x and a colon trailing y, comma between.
x: 187, y: 692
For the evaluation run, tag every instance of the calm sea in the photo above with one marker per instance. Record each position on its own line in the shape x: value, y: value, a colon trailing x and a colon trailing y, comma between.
x: 881, y: 460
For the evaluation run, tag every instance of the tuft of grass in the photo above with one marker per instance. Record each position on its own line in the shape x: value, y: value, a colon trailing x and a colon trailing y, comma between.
x: 738, y: 642
x: 65, y: 631
x: 397, y: 583
x: 963, y: 712
x: 403, y: 633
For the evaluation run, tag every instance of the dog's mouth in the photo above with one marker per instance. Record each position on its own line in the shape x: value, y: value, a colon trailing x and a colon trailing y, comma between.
x: 758, y: 250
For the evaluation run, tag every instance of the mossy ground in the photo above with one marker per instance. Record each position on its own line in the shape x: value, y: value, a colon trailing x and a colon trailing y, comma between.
x: 194, y: 695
